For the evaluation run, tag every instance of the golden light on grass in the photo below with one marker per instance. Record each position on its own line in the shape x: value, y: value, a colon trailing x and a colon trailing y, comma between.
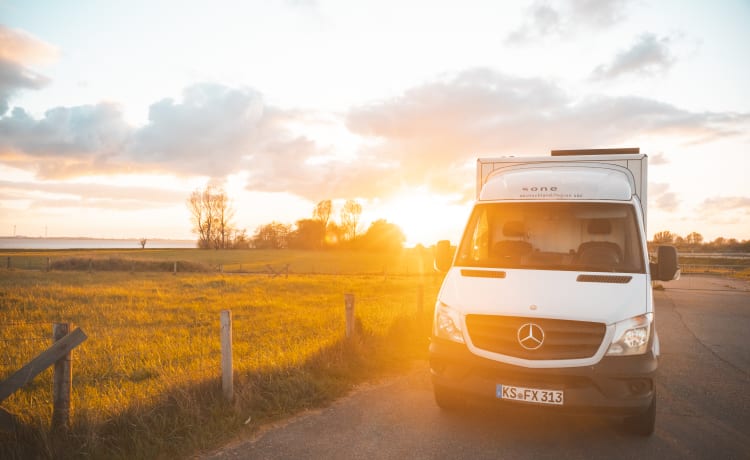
x: 146, y: 382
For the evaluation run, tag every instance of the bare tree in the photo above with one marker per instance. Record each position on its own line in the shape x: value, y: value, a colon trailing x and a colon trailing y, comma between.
x: 211, y: 214
x: 272, y: 236
x: 142, y: 242
x: 694, y: 238
x: 224, y: 215
x: 322, y: 212
x: 350, y: 215
x: 664, y: 237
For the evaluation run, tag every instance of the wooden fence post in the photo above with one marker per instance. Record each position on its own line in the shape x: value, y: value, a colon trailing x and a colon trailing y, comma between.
x: 227, y: 381
x: 349, y: 306
x: 49, y: 264
x: 61, y: 383
x: 175, y: 268
x: 8, y: 266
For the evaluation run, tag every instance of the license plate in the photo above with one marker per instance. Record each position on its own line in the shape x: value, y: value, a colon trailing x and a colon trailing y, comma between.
x: 529, y: 395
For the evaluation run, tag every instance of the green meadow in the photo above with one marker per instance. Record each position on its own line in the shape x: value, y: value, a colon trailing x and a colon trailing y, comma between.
x: 146, y: 383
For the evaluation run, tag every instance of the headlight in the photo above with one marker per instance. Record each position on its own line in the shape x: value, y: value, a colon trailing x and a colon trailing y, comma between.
x: 631, y: 336
x: 447, y: 324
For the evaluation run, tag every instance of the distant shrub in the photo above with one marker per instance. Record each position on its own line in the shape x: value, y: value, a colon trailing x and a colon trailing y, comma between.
x: 118, y: 264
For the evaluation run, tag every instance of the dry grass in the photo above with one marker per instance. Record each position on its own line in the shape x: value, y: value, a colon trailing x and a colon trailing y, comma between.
x: 409, y: 261
x: 146, y: 382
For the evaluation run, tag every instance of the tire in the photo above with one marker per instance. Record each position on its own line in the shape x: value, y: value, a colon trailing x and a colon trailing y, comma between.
x: 447, y: 400
x: 643, y: 424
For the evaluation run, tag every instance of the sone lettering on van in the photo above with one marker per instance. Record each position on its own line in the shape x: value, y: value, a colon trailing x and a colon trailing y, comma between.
x: 547, y: 192
x: 539, y: 189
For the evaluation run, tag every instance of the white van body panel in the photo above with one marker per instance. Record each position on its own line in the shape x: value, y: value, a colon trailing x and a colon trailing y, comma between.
x: 559, y: 183
x: 546, y: 294
x: 634, y: 165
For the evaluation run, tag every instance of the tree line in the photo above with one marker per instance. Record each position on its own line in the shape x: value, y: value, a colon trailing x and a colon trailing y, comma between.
x: 212, y: 216
x: 695, y: 242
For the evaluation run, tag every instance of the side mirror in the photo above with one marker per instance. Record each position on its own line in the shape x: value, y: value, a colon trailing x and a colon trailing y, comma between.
x: 665, y: 268
x: 443, y: 256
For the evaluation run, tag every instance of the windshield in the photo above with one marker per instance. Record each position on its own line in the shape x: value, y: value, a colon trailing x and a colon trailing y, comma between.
x: 596, y: 237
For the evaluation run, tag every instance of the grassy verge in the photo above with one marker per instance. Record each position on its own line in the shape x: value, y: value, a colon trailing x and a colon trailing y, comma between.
x: 742, y: 274
x: 408, y: 261
x: 146, y: 382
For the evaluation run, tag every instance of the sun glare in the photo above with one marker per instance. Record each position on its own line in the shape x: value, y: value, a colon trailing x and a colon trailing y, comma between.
x: 424, y: 216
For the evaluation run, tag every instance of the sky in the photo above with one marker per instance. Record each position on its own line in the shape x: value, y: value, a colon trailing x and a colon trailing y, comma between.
x: 112, y: 113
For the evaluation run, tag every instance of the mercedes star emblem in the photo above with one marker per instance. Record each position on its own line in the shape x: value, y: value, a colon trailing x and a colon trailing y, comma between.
x: 530, y: 336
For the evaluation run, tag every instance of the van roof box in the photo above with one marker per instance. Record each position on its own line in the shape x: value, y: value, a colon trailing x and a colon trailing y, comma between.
x: 621, y: 151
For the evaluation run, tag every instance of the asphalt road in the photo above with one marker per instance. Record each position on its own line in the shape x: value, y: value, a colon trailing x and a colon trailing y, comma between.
x: 703, y: 409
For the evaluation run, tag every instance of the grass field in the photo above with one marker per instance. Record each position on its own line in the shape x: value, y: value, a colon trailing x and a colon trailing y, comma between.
x: 146, y: 383
x: 409, y: 261
x: 734, y: 267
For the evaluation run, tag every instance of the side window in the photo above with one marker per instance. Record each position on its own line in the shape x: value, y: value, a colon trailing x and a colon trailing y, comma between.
x: 480, y: 239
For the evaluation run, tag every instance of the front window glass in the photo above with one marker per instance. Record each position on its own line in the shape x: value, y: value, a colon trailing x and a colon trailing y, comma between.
x: 597, y: 237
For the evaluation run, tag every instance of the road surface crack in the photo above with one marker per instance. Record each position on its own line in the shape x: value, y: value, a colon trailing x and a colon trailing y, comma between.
x: 704, y: 345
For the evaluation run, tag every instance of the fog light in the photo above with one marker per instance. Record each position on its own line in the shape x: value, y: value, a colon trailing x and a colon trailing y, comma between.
x: 639, y: 386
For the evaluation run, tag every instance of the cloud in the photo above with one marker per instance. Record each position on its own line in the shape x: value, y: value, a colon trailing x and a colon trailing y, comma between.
x: 207, y: 132
x: 430, y: 130
x: 20, y: 46
x: 558, y: 19
x: 66, y: 141
x: 428, y: 137
x: 17, y: 50
x: 719, y: 210
x: 661, y: 198
x: 542, y: 20
x: 598, y: 13
x: 212, y: 131
x: 649, y: 56
x: 721, y: 204
x: 77, y: 191
x: 658, y: 159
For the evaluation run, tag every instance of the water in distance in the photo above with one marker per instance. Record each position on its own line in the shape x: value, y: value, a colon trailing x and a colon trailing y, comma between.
x: 22, y: 242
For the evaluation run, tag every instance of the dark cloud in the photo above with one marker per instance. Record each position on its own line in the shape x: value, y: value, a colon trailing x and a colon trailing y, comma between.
x: 208, y: 132
x: 558, y: 19
x: 63, y: 132
x: 66, y: 141
x: 17, y: 50
x: 213, y: 131
x: 15, y: 77
x: 649, y: 55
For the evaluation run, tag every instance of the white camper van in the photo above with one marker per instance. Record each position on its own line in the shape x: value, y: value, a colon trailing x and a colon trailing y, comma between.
x: 548, y: 299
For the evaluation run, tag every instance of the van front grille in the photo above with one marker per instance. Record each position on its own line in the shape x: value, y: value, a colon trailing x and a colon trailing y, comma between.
x: 563, y: 339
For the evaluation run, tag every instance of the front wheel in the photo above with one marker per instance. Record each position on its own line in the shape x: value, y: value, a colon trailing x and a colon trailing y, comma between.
x: 643, y: 424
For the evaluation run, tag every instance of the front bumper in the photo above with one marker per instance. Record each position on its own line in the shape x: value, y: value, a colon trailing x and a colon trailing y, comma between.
x: 621, y: 385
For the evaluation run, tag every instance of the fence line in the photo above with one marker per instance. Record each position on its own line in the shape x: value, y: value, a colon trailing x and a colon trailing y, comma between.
x: 410, y: 267
x: 57, y: 355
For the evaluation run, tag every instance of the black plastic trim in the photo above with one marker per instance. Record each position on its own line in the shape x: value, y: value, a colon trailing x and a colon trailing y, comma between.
x: 482, y: 273
x: 604, y: 279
